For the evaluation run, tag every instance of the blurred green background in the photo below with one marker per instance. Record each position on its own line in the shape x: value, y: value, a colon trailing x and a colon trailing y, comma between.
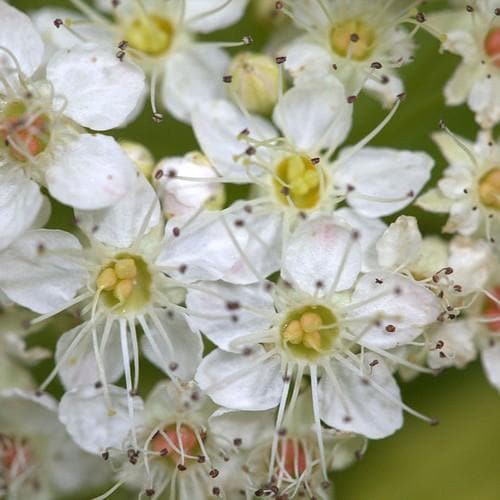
x: 460, y: 458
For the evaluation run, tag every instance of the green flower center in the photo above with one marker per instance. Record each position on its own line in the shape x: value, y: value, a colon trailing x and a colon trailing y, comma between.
x: 352, y: 37
x: 309, y: 331
x: 125, y: 284
x: 24, y: 133
x: 150, y: 34
x: 300, y: 182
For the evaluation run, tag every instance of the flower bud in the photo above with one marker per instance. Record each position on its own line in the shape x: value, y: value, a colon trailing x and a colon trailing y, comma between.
x: 255, y: 81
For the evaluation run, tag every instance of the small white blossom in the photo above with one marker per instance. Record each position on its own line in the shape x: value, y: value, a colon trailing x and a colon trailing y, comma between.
x: 473, y: 32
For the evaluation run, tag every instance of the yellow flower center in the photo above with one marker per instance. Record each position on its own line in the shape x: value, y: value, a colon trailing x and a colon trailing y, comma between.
x: 352, y: 37
x: 24, y: 133
x: 125, y: 284
x: 150, y: 34
x: 309, y: 331
x: 489, y: 188
x: 300, y: 182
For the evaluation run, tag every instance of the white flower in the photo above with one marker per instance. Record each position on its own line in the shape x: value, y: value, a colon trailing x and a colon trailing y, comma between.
x: 325, y: 320
x: 361, y: 42
x: 38, y: 460
x: 117, y: 281
x: 292, y: 173
x: 41, y: 120
x: 297, y: 458
x: 159, y: 36
x: 474, y: 34
x: 186, y: 445
x: 470, y: 187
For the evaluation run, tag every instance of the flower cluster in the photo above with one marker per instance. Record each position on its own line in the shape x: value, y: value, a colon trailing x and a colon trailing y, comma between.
x: 280, y: 320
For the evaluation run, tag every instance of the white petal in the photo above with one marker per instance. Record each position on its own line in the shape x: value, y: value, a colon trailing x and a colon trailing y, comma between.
x: 39, y: 276
x: 183, y: 351
x: 90, y: 172
x: 460, y: 84
x: 400, y: 244
x: 458, y: 348
x: 396, y: 302
x: 221, y: 312
x: 371, y: 413
x: 204, y: 249
x: 262, y: 251
x: 247, y: 426
x: 484, y: 100
x: 193, y: 76
x: 321, y: 254
x: 120, y: 225
x: 240, y: 381
x: 217, y: 125
x: 490, y: 357
x: 26, y: 414
x: 84, y: 413
x: 314, y: 115
x: 20, y: 203
x: 385, y: 91
x: 205, y: 16
x: 451, y: 150
x: 434, y: 201
x: 307, y: 60
x: 369, y: 231
x: 394, y: 177
x: 18, y: 35
x: 472, y: 261
x: 101, y: 91
x: 80, y: 368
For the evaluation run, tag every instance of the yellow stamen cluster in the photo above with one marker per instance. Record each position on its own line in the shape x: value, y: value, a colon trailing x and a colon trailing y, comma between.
x: 305, y: 331
x: 150, y: 34
x: 352, y: 38
x: 119, y: 279
x: 300, y: 181
x: 489, y: 188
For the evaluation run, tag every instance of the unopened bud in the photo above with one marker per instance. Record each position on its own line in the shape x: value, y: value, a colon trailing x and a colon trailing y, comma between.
x: 255, y: 81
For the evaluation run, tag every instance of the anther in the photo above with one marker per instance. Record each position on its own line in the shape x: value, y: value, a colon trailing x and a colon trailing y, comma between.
x: 201, y: 459
x: 237, y: 441
x: 176, y: 231
x: 279, y: 5
x: 58, y: 23
x: 227, y: 78
x: 98, y: 384
x: 216, y: 491
x: 213, y: 473
x: 247, y: 40
x: 250, y: 151
x: 158, y: 174
x: 105, y: 455
x: 373, y: 363
x: 182, y: 268
x: 420, y: 17
x: 232, y: 305
x: 163, y: 452
x: 280, y: 59
x: 181, y: 467
x: 239, y: 222
x: 351, y: 98
x: 401, y: 96
x: 469, y: 8
x: 376, y: 65
x: 120, y: 55
x: 157, y: 117
x: 123, y: 45
x: 173, y: 366
x: 149, y: 492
